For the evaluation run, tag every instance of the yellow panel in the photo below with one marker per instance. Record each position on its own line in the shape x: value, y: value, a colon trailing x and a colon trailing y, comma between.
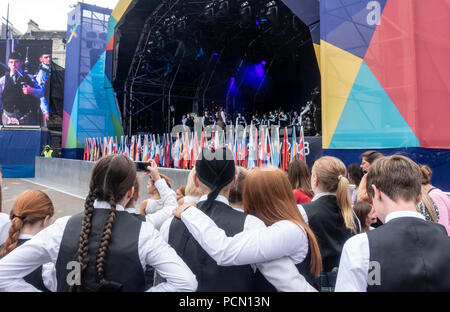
x: 120, y: 9
x: 317, y: 50
x: 338, y: 70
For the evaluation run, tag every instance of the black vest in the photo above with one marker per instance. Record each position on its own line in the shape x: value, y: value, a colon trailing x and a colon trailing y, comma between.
x: 13, y: 98
x: 122, y: 263
x: 35, y: 277
x: 210, y: 276
x: 414, y: 255
x: 326, y: 221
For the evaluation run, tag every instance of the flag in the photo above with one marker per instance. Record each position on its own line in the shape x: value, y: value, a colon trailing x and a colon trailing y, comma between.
x: 132, y: 147
x: 195, y: 149
x: 256, y: 147
x: 251, y: 150
x: 301, y: 148
x: 91, y: 150
x: 235, y: 147
x: 138, y: 149
x: 186, y: 151
x: 284, y: 151
x: 126, y: 148
x: 85, y: 153
x: 293, y: 145
x: 176, y: 152
x: 157, y: 150
x: 167, y: 151
x: 276, y: 148
x: 262, y: 147
x: 145, y: 149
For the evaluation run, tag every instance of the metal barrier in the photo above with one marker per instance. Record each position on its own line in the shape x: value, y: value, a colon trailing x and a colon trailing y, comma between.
x: 73, y: 176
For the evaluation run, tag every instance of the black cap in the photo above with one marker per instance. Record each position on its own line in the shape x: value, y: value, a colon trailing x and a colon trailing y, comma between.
x: 15, y: 56
x: 216, y: 170
x: 46, y: 50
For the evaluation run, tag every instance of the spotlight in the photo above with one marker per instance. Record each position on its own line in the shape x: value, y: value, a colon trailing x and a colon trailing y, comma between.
x: 245, y: 12
x: 272, y: 12
x: 223, y: 8
x: 209, y: 10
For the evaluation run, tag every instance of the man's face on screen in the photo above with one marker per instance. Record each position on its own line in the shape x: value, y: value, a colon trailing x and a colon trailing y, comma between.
x: 46, y: 59
x: 14, y: 65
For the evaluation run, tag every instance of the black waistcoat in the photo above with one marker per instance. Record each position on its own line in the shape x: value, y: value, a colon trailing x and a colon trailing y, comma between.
x: 414, y: 255
x: 210, y: 276
x: 13, y: 98
x: 326, y: 221
x: 122, y: 262
x: 35, y: 277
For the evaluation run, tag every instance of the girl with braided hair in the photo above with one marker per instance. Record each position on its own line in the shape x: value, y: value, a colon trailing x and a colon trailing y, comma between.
x: 105, y: 248
x: 31, y: 213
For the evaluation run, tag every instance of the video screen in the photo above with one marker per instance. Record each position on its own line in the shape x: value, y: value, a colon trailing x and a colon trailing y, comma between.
x: 25, y: 74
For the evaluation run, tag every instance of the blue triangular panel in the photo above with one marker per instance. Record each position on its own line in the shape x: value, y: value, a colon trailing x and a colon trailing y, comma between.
x: 370, y: 119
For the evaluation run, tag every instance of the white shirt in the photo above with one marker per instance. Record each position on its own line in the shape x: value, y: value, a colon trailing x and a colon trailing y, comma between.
x: 169, y: 204
x: 5, y: 224
x: 281, y: 273
x: 44, y: 247
x: 283, y: 238
x: 354, y: 264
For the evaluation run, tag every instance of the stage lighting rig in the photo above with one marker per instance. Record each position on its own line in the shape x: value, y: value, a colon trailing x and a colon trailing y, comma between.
x: 210, y: 10
x: 272, y: 12
x: 182, y: 23
x: 223, y: 9
x: 245, y: 11
x: 169, y: 25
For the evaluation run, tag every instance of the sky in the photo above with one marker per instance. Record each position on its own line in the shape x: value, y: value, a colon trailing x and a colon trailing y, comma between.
x: 48, y: 14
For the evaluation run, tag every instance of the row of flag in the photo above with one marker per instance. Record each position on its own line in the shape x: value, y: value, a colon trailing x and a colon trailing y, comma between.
x: 255, y: 149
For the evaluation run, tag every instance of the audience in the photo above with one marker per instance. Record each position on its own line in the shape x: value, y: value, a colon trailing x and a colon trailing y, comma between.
x: 366, y: 215
x: 237, y: 230
x: 439, y: 198
x: 330, y: 215
x: 407, y: 253
x: 236, y: 191
x: 266, y: 195
x: 31, y: 213
x: 111, y: 246
x: 355, y: 174
x: 215, y: 176
x: 300, y: 179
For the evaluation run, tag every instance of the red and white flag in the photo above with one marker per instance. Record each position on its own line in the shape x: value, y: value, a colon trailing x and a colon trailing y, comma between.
x: 301, y: 148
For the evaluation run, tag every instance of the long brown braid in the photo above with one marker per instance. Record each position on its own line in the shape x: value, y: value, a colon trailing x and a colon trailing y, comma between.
x: 95, y: 192
x: 120, y: 178
x: 30, y: 207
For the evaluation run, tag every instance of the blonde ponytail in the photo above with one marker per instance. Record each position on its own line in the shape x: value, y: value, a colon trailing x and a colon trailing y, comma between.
x: 331, y: 172
x: 345, y: 203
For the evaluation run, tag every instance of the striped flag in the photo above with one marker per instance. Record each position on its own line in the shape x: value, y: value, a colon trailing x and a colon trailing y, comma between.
x: 301, y: 148
x: 284, y: 151
x: 293, y: 154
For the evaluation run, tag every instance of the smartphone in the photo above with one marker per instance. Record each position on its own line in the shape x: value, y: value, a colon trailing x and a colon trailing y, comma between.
x: 141, y: 165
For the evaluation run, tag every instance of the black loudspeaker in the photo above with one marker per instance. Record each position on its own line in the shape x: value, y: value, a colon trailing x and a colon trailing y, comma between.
x: 158, y: 123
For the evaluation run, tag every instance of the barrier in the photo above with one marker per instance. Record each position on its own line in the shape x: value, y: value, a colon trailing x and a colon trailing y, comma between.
x: 72, y: 176
x: 19, y: 145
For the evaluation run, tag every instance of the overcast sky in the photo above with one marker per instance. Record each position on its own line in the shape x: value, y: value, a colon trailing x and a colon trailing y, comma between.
x: 48, y: 14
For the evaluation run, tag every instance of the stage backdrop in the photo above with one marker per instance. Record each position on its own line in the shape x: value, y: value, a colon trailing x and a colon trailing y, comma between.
x: 90, y: 108
x: 386, y: 79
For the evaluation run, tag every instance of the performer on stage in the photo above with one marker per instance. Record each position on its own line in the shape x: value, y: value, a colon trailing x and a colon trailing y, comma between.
x: 255, y: 121
x: 272, y: 119
x: 43, y: 79
x: 208, y: 120
x: 240, y: 120
x: 407, y: 253
x: 296, y: 121
x: 19, y: 94
x: 284, y: 120
x: 265, y: 121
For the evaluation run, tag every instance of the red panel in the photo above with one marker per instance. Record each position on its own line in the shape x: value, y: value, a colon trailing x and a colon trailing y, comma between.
x: 391, y: 59
x: 409, y: 55
x: 433, y: 71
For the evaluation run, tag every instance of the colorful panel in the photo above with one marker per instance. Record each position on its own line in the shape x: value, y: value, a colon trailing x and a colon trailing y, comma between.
x: 370, y: 119
x: 339, y: 70
x: 349, y: 24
